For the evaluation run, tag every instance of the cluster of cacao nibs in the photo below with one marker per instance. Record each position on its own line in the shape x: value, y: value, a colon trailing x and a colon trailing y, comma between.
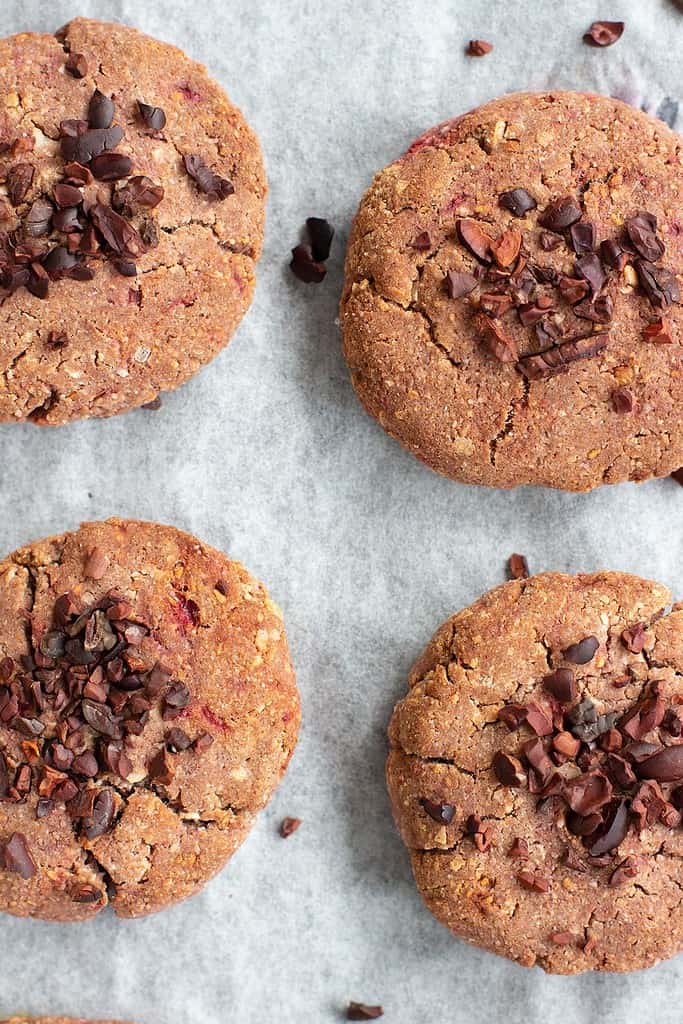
x: 505, y: 281
x: 62, y: 234
x: 89, y: 214
x: 74, y: 703
x: 609, y: 772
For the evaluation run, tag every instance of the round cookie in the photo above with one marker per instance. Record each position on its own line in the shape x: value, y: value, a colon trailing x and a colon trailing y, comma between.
x: 511, y: 312
x: 148, y: 709
x: 131, y: 216
x: 536, y: 772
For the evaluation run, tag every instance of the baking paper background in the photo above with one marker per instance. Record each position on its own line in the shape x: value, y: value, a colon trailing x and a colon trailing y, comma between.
x: 268, y: 455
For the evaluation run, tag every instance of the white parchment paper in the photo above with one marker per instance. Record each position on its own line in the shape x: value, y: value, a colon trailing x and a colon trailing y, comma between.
x: 268, y: 455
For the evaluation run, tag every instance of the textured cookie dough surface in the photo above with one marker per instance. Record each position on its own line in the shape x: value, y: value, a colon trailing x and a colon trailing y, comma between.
x: 171, y: 279
x: 454, y: 282
x: 535, y: 773
x: 148, y: 708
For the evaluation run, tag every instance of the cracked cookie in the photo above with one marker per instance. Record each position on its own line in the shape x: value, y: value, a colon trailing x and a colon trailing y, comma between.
x: 148, y: 709
x: 536, y: 772
x: 132, y: 198
x: 511, y: 311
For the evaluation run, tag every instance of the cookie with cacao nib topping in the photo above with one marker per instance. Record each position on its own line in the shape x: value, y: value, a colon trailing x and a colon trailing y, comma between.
x: 148, y: 709
x: 536, y: 772
x: 512, y: 308
x: 132, y: 198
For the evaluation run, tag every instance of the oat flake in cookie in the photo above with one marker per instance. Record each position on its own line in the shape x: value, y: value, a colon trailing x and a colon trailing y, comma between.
x: 536, y: 772
x: 131, y: 216
x: 513, y: 285
x: 148, y: 709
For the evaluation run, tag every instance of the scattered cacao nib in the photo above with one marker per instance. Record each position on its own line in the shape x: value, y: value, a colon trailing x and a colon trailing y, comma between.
x: 519, y: 849
x: 161, y: 767
x: 538, y: 720
x: 658, y: 331
x: 604, y: 33
x: 622, y: 400
x: 560, y: 215
x: 19, y: 181
x: 481, y: 833
x: 288, y: 826
x: 533, y: 881
x: 117, y: 232
x: 320, y: 235
x: 494, y: 304
x: 459, y: 284
x: 583, y: 651
x: 38, y: 219
x: 77, y: 174
x: 111, y: 166
x: 518, y: 567
x: 513, y: 715
x: 633, y: 637
x: 505, y: 249
x: 625, y: 872
x: 100, y: 820
x: 177, y: 740
x: 422, y: 242
x: 549, y: 241
x: 152, y: 117
x: 15, y: 856
x: 599, y: 309
x: 100, y: 110
x: 304, y: 267
x: 206, y: 180
x: 557, y: 359
x: 443, y: 813
x: 658, y: 283
x: 518, y: 201
x: 82, y: 148
x: 478, y: 48
x: 562, y: 685
x: 642, y: 231
x: 678, y: 476
x: 583, y: 237
x: 125, y: 267
x: 76, y: 65
x: 508, y: 769
x: 363, y: 1011
x: 614, y: 255
x: 573, y: 289
x: 496, y: 341
x: 612, y: 832
x: 665, y: 766
x: 474, y: 238
x: 67, y: 195
x: 591, y: 270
